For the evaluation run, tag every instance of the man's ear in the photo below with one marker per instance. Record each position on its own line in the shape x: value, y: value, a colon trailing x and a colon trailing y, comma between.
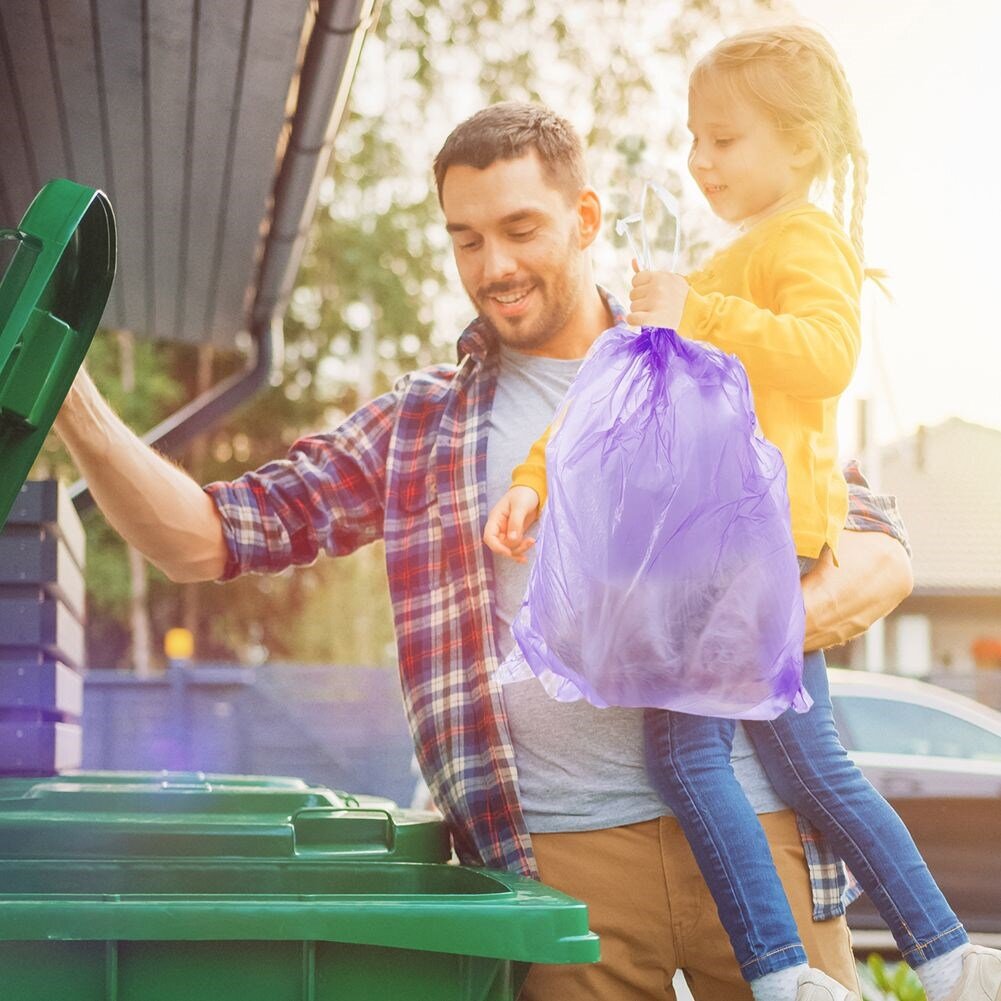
x: 588, y: 216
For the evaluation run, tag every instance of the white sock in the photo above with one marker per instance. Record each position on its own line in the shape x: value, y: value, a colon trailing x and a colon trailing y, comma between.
x: 781, y: 985
x: 940, y: 975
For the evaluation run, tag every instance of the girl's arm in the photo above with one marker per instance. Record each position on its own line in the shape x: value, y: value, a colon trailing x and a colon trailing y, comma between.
x: 804, y: 339
x: 510, y: 518
x: 517, y: 510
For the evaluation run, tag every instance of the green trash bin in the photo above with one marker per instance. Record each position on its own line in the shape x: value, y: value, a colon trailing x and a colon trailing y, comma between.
x: 166, y: 886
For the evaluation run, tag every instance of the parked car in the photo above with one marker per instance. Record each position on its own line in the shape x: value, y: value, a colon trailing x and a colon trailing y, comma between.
x: 936, y: 756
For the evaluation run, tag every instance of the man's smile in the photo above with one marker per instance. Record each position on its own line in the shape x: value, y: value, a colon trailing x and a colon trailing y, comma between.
x: 512, y: 303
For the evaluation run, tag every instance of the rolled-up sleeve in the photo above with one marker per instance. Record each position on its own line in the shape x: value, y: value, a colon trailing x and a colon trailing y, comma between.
x: 872, y: 512
x: 327, y: 496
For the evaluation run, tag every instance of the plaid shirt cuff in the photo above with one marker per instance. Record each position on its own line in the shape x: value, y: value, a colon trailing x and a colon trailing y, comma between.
x: 870, y: 512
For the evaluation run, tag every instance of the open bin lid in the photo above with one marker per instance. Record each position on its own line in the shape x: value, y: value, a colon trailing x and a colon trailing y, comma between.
x: 52, y: 296
x: 178, y: 817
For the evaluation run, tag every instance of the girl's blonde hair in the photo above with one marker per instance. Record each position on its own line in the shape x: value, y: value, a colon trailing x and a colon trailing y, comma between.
x: 793, y: 73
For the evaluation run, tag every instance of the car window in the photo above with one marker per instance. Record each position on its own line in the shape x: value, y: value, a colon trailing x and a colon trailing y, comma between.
x: 893, y: 727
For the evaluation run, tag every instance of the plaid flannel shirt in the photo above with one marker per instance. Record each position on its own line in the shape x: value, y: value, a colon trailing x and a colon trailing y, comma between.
x: 410, y: 468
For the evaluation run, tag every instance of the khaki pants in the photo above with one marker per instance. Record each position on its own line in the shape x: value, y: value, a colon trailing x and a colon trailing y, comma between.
x: 651, y: 907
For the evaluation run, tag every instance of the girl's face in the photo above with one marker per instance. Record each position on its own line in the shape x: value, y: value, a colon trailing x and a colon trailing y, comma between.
x: 745, y: 166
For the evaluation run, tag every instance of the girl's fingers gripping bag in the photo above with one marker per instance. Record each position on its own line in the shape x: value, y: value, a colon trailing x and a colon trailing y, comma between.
x: 665, y: 574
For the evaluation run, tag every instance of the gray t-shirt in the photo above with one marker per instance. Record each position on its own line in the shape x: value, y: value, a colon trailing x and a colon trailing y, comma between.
x: 579, y: 768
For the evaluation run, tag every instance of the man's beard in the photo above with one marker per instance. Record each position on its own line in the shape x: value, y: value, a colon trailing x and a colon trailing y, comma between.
x: 559, y: 301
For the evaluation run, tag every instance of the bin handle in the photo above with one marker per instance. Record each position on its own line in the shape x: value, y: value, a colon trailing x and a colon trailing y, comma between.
x: 13, y: 280
x: 327, y: 810
x: 19, y: 235
x: 383, y: 841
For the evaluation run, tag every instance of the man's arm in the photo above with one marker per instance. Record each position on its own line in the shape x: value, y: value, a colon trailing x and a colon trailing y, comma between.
x: 874, y: 574
x: 872, y: 578
x: 150, y: 502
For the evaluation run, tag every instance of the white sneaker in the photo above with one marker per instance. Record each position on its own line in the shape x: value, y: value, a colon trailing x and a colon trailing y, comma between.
x: 817, y: 986
x: 981, y: 979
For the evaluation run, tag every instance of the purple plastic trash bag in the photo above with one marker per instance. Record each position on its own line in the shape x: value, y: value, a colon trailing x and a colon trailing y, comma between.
x: 665, y: 574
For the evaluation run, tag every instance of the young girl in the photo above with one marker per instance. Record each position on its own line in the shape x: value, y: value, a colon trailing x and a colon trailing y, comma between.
x: 770, y: 113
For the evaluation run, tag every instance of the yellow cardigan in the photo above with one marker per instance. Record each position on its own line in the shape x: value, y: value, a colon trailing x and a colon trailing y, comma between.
x: 784, y: 298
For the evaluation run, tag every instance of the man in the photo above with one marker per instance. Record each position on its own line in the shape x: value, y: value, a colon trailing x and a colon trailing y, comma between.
x: 527, y: 784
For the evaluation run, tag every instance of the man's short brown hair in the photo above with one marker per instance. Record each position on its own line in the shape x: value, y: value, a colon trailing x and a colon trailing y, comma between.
x: 508, y: 131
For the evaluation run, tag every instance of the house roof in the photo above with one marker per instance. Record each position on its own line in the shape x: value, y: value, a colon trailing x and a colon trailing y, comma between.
x: 185, y: 113
x: 947, y: 480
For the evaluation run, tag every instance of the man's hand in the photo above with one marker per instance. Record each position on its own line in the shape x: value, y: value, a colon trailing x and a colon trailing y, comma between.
x: 872, y: 578
x: 657, y: 299
x: 507, y: 523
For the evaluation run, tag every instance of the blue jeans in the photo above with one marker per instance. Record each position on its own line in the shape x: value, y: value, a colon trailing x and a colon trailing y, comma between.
x: 688, y: 758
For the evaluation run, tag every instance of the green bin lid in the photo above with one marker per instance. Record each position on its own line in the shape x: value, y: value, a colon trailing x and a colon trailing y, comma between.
x: 181, y: 816
x: 411, y: 906
x: 160, y: 778
x: 52, y: 295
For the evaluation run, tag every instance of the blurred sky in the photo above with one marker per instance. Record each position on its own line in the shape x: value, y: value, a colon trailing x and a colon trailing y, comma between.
x: 927, y: 81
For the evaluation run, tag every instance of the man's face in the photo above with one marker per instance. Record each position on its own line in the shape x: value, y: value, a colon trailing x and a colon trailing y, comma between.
x: 517, y: 244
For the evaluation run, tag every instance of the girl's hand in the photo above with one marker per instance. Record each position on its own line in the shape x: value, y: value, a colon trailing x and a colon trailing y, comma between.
x: 511, y: 516
x: 657, y: 299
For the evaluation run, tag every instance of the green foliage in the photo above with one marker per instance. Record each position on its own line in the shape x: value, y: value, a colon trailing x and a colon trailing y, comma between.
x: 882, y: 981
x: 377, y: 293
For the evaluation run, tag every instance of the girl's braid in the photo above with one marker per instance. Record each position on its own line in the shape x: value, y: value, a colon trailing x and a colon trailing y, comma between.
x: 847, y: 148
x: 860, y: 178
x: 839, y: 173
